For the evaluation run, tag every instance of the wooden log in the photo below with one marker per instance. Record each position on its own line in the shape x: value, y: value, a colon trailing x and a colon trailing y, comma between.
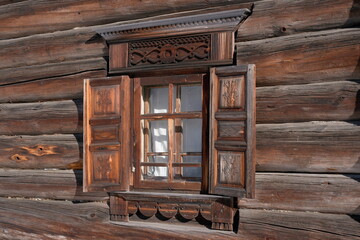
x: 28, y: 219
x: 41, y: 118
x: 263, y: 224
x: 4, y: 2
x: 47, y: 184
x: 328, y: 101
x: 308, y: 147
x: 41, y: 152
x: 50, y: 48
x: 322, y: 56
x: 327, y: 193
x: 254, y: 224
x: 26, y: 73
x: 58, y: 88
x: 274, y: 18
x: 299, y: 147
x: 332, y: 193
x: 310, y: 102
x: 31, y: 17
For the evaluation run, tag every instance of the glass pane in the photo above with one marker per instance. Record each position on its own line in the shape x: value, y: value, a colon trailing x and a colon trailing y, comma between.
x: 158, y: 100
x: 154, y: 173
x: 158, y: 136
x: 192, y: 129
x: 191, y: 99
x: 192, y: 171
x: 158, y: 159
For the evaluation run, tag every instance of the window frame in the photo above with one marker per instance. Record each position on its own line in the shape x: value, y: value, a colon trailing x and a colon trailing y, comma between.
x: 138, y: 154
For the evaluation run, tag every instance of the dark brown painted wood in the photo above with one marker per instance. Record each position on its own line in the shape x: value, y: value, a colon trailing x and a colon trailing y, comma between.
x: 57, y: 88
x: 309, y: 147
x: 321, y: 56
x: 32, y: 72
x: 40, y: 152
x: 276, y: 18
x: 331, y: 101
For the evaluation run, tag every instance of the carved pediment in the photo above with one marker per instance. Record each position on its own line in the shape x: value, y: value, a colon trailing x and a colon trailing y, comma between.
x: 200, y: 40
x: 199, y: 23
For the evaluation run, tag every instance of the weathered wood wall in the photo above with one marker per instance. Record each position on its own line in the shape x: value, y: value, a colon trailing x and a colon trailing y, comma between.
x: 308, y: 108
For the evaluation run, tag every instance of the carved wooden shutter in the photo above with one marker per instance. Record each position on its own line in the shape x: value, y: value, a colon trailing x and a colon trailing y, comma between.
x: 232, y: 130
x: 107, y: 134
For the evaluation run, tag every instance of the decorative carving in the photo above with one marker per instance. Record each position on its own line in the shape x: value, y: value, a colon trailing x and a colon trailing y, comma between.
x: 103, y: 99
x: 229, y: 19
x: 170, y: 50
x: 231, y: 129
x: 118, y: 209
x: 230, y: 169
x: 218, y: 211
x: 222, y: 217
x: 232, y: 92
x: 102, y: 167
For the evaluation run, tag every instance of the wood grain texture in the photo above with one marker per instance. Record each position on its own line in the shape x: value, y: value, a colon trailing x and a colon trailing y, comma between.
x: 328, y: 193
x: 41, y: 118
x: 309, y: 147
x: 332, y: 193
x: 50, y: 48
x: 57, y: 88
x: 331, y: 101
x: 274, y: 18
x: 327, y: 101
x: 47, y: 70
x: 322, y: 56
x: 263, y: 224
x: 31, y: 17
x: 298, y: 147
x: 47, y: 184
x: 40, y: 152
x: 33, y: 220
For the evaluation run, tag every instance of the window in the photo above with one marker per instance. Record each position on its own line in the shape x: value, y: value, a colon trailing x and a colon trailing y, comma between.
x: 171, y: 125
x: 172, y: 130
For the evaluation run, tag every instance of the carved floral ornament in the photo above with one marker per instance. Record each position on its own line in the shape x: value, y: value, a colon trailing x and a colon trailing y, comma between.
x: 171, y: 50
x: 207, y: 39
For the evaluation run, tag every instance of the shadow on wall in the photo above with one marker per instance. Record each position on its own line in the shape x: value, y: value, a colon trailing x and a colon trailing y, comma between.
x: 356, y: 215
x: 354, y: 21
x: 354, y: 15
x: 78, y: 172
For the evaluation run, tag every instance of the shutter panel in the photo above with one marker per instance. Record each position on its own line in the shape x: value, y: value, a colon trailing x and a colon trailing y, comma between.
x: 107, y: 134
x: 232, y: 135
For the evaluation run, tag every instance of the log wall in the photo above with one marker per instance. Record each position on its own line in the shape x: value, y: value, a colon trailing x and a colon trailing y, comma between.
x: 307, y: 55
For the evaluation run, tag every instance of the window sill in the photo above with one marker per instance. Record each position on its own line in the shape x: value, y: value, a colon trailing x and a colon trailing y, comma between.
x: 218, y: 210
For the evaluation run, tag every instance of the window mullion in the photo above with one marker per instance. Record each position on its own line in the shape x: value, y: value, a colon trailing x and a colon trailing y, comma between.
x: 171, y: 133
